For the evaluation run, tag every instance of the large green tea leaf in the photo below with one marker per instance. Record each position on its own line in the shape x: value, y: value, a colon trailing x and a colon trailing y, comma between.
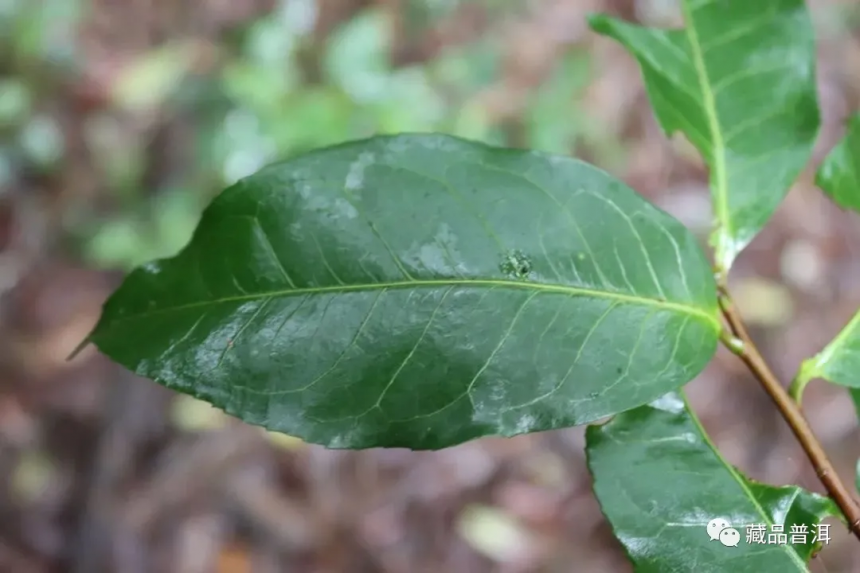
x: 739, y: 82
x: 660, y: 482
x: 419, y: 291
x: 839, y: 175
x: 838, y: 363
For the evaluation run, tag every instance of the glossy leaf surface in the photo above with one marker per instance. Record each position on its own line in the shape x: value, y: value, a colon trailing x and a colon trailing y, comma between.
x: 660, y: 481
x: 839, y: 175
x: 739, y: 82
x: 420, y: 291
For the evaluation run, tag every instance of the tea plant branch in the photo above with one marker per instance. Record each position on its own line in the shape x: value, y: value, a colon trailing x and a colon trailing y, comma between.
x: 740, y: 343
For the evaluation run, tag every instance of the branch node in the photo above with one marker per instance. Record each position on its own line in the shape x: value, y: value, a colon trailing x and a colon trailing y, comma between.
x: 790, y: 410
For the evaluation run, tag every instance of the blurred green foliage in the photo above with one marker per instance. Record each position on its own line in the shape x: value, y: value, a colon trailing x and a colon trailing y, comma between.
x: 256, y: 107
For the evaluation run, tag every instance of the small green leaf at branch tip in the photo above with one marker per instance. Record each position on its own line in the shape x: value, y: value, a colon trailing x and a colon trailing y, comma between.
x: 839, y: 361
x: 839, y: 174
x: 420, y: 291
x: 661, y: 510
x: 739, y: 82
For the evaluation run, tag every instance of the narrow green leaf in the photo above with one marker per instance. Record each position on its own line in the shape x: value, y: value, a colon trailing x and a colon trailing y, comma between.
x: 660, y: 482
x: 739, y: 82
x: 838, y: 363
x: 420, y: 291
x: 839, y: 175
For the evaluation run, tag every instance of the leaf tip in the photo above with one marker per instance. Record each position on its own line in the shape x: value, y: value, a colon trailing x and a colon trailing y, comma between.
x: 599, y: 22
x: 83, y: 344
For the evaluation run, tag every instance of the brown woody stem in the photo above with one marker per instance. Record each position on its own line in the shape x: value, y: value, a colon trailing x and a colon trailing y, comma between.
x: 743, y: 346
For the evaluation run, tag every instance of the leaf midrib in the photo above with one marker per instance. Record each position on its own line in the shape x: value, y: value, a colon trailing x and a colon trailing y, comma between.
x: 709, y: 106
x: 740, y: 479
x: 395, y: 285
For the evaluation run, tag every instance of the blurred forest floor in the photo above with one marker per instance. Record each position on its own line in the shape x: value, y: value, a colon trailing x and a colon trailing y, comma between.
x: 120, y: 120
